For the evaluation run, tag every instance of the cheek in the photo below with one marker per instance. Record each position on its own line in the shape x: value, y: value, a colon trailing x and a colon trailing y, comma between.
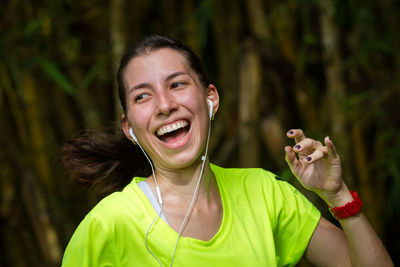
x: 193, y: 100
x: 140, y: 118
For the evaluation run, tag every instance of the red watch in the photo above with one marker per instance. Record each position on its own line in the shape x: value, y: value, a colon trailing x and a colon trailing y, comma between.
x: 349, y: 209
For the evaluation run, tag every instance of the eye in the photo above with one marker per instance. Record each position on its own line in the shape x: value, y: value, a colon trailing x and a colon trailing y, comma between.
x: 177, y: 84
x: 141, y: 97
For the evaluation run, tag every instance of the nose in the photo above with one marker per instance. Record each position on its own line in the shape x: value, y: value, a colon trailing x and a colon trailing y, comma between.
x: 166, y: 103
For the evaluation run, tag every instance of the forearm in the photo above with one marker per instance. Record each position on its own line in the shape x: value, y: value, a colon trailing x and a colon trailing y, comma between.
x: 365, y: 247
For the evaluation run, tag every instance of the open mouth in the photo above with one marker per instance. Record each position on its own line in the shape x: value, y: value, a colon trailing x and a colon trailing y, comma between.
x: 174, y: 131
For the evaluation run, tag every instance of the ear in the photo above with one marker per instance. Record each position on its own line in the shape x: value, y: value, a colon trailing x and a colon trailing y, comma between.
x: 212, y: 94
x: 125, y: 127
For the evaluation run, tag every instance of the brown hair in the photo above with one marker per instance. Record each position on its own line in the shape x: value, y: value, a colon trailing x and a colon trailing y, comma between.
x: 108, y: 162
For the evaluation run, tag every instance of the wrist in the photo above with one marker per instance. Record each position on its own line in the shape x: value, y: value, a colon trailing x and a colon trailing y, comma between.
x: 338, y: 198
x: 350, y: 209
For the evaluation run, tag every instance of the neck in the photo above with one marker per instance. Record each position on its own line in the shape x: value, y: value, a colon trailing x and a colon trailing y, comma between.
x: 180, y: 184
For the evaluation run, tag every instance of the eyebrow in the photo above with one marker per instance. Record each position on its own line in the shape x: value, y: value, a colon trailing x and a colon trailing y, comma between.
x: 175, y: 74
x: 169, y: 77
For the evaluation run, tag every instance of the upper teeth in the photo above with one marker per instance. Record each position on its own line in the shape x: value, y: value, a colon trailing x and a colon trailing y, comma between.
x: 171, y: 127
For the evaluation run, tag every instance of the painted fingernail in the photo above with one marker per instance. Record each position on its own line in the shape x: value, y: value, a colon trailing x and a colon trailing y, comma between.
x: 308, y: 158
x: 290, y: 132
x: 297, y: 147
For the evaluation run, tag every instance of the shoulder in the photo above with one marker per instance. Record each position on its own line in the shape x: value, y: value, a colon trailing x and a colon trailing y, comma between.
x: 257, y: 183
x: 98, y: 236
x: 243, y: 173
x: 246, y: 176
x: 108, y: 217
x: 116, y: 205
x: 91, y: 244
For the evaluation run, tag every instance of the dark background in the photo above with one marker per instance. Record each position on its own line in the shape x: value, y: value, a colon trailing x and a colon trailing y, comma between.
x: 328, y: 67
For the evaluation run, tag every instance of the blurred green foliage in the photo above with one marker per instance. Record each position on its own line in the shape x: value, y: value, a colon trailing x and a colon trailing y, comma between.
x: 57, y: 76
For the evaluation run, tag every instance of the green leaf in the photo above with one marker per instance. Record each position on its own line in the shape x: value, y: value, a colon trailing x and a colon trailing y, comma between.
x: 92, y: 73
x: 310, y: 39
x: 32, y: 27
x: 55, y: 74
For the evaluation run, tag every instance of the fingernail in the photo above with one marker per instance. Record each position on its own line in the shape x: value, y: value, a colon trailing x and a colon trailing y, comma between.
x: 297, y: 147
x: 308, y: 158
x: 290, y: 132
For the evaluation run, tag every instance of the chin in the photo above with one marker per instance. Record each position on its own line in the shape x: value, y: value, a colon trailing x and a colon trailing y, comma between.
x: 183, y: 161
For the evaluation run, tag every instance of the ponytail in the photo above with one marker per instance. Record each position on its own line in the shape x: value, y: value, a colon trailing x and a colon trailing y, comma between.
x: 106, y: 162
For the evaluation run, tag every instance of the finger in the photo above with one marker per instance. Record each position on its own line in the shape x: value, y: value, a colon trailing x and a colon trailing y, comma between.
x: 297, y: 134
x: 291, y: 159
x: 331, y: 147
x: 316, y: 155
x: 307, y: 145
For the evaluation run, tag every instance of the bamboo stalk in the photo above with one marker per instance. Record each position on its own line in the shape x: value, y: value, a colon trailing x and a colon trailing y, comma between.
x: 249, y: 92
x: 334, y: 83
x: 65, y: 122
x: 118, y: 41
x: 15, y: 105
x: 284, y: 29
x: 258, y: 19
x: 274, y: 139
x: 37, y: 132
x: 44, y: 231
x: 226, y: 28
x: 191, y: 26
x: 369, y: 193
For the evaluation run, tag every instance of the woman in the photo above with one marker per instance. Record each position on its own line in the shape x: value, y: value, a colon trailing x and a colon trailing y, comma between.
x: 188, y: 212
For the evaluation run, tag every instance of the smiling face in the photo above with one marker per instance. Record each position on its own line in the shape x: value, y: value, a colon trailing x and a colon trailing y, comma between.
x: 167, y: 108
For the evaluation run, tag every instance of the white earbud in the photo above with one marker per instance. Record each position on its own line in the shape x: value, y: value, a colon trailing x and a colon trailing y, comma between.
x: 133, y: 135
x: 211, y: 108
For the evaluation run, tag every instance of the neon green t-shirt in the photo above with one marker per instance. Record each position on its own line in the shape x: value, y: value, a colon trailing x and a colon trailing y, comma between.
x: 266, y: 222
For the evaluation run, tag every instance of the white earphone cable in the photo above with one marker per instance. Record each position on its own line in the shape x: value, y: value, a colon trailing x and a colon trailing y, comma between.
x: 203, y: 158
x: 159, y: 200
x: 145, y: 238
x: 154, y: 176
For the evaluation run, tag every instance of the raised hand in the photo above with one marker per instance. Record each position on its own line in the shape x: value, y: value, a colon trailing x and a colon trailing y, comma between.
x: 316, y: 166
